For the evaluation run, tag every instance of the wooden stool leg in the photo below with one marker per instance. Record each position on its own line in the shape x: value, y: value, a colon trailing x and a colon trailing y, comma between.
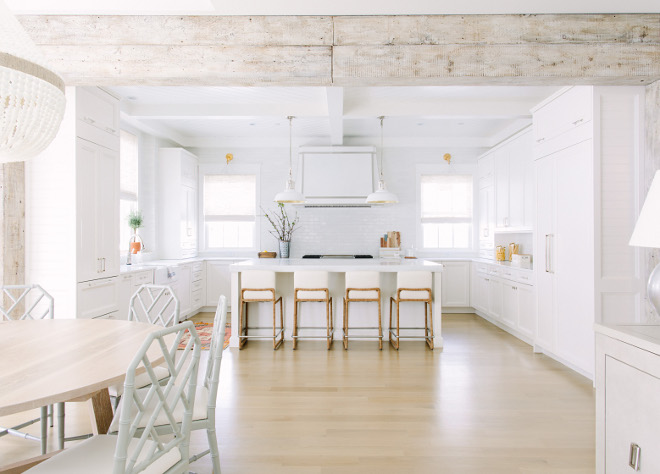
x: 241, y: 342
x: 398, y: 335
x: 281, y: 322
x: 328, y: 310
x: 429, y: 340
x: 295, y: 323
x: 345, y: 338
x: 380, y: 328
x: 274, y: 326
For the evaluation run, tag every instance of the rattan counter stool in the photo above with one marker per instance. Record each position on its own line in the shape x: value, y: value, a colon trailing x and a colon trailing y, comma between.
x: 413, y: 286
x: 312, y: 286
x: 258, y: 286
x: 363, y: 287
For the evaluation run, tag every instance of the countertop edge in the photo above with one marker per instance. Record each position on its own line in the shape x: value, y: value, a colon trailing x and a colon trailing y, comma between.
x: 632, y: 334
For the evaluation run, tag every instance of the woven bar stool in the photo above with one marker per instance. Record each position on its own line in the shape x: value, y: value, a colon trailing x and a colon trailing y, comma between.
x: 258, y: 286
x: 312, y: 286
x: 413, y: 286
x: 362, y: 287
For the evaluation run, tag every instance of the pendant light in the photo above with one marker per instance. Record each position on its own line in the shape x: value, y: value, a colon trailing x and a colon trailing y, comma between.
x: 32, y: 95
x: 381, y: 195
x: 290, y: 195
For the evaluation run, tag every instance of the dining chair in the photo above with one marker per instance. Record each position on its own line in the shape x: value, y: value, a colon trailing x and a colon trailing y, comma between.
x: 131, y: 449
x: 29, y: 302
x: 203, y: 417
x: 153, y: 304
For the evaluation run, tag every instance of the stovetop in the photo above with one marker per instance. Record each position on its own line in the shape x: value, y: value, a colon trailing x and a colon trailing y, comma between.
x: 337, y: 256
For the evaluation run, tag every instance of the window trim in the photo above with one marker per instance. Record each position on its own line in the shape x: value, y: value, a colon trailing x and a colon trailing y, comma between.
x: 444, y: 169
x: 233, y: 169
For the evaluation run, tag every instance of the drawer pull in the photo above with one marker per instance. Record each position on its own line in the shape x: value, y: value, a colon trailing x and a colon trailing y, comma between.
x: 578, y: 121
x: 635, y: 453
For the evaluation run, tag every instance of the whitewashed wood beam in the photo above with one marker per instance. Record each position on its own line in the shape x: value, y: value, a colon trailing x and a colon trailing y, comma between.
x: 496, y: 29
x: 12, y: 224
x: 335, y: 96
x: 346, y: 51
x: 546, y: 64
x: 119, y: 30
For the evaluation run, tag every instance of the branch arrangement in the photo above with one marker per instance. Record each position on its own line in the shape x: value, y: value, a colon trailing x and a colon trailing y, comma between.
x: 283, y: 227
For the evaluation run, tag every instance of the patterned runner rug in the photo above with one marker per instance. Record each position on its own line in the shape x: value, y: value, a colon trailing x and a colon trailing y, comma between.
x: 205, y: 330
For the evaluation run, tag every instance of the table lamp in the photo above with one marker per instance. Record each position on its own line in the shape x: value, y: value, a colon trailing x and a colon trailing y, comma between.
x: 647, y: 234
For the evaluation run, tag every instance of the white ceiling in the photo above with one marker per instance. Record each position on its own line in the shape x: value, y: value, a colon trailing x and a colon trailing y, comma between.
x: 334, y: 7
x: 257, y: 116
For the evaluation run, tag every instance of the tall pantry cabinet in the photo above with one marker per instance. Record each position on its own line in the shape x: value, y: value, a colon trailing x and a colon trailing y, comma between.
x: 587, y: 145
x: 72, y: 208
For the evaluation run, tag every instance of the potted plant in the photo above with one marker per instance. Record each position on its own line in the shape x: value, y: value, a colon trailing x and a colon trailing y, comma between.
x: 135, y: 221
x: 283, y: 227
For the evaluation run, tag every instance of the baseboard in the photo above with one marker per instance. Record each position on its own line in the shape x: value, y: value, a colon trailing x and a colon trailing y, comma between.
x: 457, y: 310
x: 523, y: 337
x: 542, y: 350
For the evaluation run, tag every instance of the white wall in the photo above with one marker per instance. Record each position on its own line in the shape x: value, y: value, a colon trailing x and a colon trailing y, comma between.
x: 342, y: 230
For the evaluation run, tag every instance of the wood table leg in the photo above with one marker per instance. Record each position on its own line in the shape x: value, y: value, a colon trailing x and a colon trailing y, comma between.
x: 100, y: 412
x: 24, y: 465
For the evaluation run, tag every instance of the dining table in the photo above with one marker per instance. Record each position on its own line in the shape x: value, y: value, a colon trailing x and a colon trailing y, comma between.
x: 50, y: 361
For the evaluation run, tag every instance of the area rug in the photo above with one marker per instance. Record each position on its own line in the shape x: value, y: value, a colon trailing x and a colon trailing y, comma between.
x: 204, y: 331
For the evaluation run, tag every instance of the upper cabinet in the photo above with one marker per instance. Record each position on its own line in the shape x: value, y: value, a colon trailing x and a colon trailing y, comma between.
x: 177, y: 210
x: 97, y: 116
x: 513, y: 180
x: 563, y: 113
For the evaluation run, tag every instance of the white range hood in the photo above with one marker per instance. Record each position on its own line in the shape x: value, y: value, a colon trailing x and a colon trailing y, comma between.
x: 340, y: 176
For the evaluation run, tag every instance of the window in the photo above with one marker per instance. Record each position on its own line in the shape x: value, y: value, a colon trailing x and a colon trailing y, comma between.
x: 446, y: 211
x: 230, y: 210
x: 128, y: 184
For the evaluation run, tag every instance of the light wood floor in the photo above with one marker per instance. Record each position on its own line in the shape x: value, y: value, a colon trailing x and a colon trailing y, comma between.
x: 486, y: 405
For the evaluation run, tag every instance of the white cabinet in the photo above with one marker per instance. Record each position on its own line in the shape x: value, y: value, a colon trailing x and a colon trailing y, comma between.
x: 565, y: 249
x: 198, y: 289
x: 98, y: 298
x: 72, y: 205
x: 98, y: 210
x: 569, y: 109
x: 514, y: 185
x: 218, y: 281
x: 627, y: 409
x: 129, y: 283
x: 177, y: 209
x: 455, y: 284
x: 182, y: 289
x: 505, y: 296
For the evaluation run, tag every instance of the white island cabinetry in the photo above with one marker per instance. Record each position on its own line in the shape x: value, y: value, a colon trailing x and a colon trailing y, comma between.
x: 412, y: 313
x: 455, y: 285
x: 218, y: 281
x: 627, y: 390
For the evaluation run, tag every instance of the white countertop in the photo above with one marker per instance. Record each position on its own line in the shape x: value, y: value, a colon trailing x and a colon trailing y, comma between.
x: 336, y: 264
x: 644, y: 336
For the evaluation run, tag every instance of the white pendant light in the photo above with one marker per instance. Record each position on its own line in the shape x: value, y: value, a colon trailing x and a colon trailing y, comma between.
x: 290, y: 195
x: 31, y: 94
x: 381, y: 195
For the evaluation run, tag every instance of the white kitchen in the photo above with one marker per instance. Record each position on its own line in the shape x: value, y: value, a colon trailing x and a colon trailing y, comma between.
x: 516, y: 202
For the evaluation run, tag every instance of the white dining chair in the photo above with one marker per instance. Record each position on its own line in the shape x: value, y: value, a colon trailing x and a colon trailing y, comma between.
x: 203, y: 417
x: 29, y: 302
x: 131, y: 449
x: 153, y: 304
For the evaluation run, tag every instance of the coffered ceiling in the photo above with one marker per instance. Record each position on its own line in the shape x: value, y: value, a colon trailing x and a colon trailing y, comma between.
x: 256, y: 116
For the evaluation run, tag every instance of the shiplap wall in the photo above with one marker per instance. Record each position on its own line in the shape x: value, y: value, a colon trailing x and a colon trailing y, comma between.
x: 338, y: 230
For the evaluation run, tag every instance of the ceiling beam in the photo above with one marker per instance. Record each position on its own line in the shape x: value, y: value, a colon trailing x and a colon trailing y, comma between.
x: 440, y: 108
x: 554, y: 49
x: 223, y: 111
x: 335, y: 97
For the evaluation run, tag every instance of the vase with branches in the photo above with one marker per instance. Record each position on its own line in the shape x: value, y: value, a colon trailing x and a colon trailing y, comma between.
x: 283, y: 227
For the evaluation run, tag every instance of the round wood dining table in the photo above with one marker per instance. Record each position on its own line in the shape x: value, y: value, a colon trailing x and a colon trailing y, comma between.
x: 59, y: 360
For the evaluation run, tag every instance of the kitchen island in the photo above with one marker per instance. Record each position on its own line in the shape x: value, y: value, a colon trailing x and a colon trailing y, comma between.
x: 362, y: 314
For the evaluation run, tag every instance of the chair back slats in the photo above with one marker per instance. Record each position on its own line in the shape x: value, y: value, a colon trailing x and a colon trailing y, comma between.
x: 26, y: 302
x: 158, y: 402
x: 154, y: 304
x: 212, y: 376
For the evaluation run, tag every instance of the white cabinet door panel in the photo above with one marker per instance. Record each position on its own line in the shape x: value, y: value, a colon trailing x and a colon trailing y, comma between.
x: 543, y: 264
x: 218, y: 281
x: 526, y: 310
x: 495, y: 298
x: 456, y: 284
x: 509, y: 304
x: 633, y: 416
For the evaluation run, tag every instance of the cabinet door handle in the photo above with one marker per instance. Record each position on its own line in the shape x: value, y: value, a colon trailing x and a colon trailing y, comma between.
x: 635, y: 453
x: 506, y: 222
x: 110, y: 130
x: 578, y: 121
x: 104, y: 264
x: 540, y: 140
x: 89, y: 120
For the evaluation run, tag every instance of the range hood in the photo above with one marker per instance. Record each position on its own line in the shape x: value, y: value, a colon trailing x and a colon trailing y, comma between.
x: 339, y: 176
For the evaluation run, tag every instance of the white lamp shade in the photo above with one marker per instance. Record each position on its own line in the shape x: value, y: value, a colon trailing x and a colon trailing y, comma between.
x: 382, y: 195
x: 647, y: 229
x: 32, y: 94
x: 289, y: 195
